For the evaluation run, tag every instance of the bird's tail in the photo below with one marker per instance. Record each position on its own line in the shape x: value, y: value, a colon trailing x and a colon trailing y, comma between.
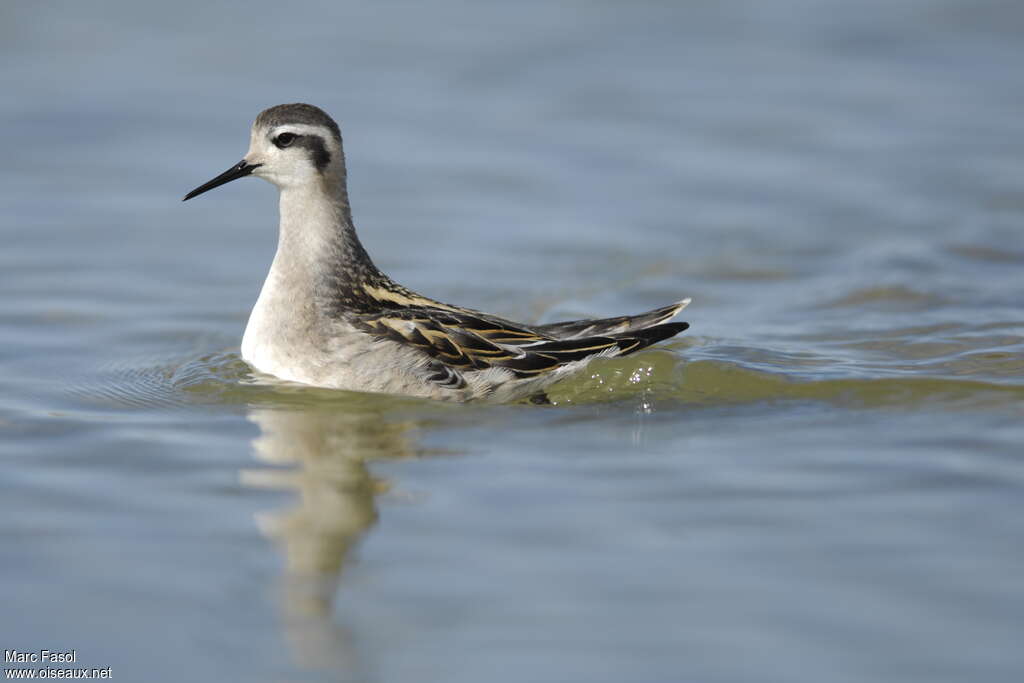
x: 626, y: 324
x: 641, y: 339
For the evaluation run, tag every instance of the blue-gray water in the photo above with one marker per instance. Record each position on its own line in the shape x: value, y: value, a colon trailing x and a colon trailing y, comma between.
x: 821, y: 481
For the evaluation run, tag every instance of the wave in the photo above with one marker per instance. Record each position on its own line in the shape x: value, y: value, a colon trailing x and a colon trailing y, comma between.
x: 695, y: 373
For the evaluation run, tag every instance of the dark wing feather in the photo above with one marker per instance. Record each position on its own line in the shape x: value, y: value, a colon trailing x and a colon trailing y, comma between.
x: 459, y: 341
x: 574, y: 329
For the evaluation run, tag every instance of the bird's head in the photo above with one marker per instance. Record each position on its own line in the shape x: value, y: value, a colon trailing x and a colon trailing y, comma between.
x: 290, y: 145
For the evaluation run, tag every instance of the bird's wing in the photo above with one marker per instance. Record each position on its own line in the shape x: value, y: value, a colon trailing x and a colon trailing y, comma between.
x: 461, y: 341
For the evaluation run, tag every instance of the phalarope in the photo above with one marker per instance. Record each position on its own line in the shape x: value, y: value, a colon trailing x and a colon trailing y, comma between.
x: 326, y: 316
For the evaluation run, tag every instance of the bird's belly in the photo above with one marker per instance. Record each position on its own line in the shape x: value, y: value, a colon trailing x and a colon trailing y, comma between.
x: 343, y: 359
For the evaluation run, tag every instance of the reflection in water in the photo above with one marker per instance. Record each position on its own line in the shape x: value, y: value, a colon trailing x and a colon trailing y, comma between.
x: 321, y: 454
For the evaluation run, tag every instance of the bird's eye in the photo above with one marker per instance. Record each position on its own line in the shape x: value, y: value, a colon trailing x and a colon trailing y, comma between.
x: 284, y: 140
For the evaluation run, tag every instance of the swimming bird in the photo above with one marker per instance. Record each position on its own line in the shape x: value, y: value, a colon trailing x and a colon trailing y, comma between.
x: 328, y: 317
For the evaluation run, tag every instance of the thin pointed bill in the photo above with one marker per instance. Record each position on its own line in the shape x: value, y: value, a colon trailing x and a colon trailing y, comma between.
x: 239, y: 170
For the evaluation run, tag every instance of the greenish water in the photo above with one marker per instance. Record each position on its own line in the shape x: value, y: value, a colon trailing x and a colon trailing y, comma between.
x: 820, y: 481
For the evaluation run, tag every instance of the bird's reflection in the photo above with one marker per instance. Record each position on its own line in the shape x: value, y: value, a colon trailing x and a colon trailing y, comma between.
x: 321, y: 454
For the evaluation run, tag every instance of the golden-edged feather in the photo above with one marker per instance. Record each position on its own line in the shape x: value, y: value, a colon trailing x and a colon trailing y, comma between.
x: 461, y: 340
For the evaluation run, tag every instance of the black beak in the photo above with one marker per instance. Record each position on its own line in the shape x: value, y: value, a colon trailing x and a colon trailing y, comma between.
x: 239, y: 170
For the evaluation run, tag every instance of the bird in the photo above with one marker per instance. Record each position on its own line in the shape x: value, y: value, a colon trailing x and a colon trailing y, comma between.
x: 328, y: 317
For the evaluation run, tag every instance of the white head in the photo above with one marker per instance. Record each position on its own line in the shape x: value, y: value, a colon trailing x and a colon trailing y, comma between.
x: 291, y: 145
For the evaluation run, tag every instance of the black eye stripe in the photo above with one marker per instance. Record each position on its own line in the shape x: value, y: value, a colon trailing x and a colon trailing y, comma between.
x: 314, y: 144
x: 284, y: 140
x: 317, y: 151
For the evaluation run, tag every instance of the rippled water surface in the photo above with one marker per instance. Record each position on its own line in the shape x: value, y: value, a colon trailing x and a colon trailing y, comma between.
x: 821, y: 481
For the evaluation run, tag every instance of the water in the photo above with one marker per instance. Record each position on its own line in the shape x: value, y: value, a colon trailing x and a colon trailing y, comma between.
x: 820, y: 481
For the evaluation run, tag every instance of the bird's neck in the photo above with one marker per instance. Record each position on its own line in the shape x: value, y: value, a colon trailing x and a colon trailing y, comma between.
x: 318, y: 266
x: 321, y: 275
x: 318, y: 249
